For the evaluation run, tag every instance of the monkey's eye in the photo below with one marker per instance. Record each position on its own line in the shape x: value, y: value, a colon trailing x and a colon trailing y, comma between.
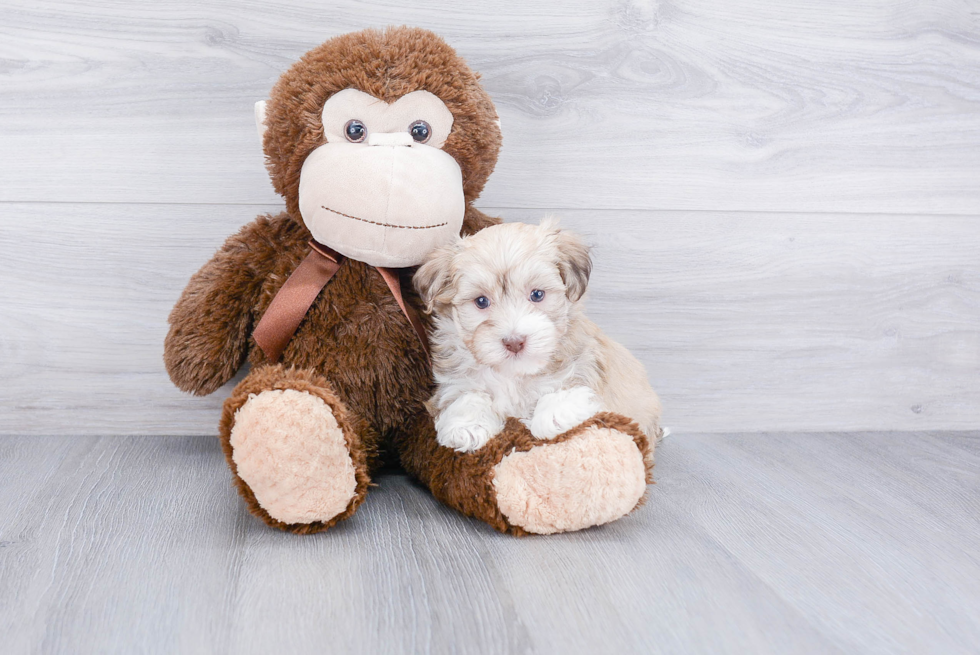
x: 482, y: 302
x: 355, y: 131
x: 537, y: 295
x: 420, y: 131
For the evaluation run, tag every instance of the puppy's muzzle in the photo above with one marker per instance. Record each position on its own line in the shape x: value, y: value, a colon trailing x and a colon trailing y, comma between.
x: 514, y: 344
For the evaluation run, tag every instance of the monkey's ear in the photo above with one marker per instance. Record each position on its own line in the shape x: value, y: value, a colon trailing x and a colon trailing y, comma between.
x: 434, y: 277
x: 260, y: 125
x: 574, y: 262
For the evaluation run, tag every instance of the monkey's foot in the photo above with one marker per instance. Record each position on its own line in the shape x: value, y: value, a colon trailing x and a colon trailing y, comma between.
x: 595, y: 476
x: 592, y: 474
x: 293, y: 459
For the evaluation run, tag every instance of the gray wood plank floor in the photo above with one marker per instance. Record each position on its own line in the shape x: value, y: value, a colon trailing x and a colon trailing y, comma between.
x: 761, y: 543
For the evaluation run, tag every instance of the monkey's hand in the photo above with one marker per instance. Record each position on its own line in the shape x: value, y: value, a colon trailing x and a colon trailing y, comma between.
x: 211, y: 322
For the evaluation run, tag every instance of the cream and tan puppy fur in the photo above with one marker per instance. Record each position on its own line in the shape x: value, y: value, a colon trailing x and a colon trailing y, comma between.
x: 511, y: 339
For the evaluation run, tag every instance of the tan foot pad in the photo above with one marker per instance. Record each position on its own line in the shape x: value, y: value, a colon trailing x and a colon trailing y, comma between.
x: 594, y: 478
x: 290, y: 451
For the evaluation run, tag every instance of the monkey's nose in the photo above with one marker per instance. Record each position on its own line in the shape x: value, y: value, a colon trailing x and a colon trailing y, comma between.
x: 514, y: 344
x: 390, y: 139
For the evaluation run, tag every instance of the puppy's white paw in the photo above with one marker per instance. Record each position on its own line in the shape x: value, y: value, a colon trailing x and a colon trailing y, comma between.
x: 465, y: 438
x: 562, y: 410
x: 468, y: 423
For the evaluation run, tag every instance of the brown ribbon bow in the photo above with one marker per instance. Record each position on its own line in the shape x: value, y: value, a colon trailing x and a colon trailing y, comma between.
x: 287, y: 310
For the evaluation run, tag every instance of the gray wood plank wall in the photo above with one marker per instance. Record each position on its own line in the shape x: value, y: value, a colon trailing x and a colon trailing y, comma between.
x: 784, y: 196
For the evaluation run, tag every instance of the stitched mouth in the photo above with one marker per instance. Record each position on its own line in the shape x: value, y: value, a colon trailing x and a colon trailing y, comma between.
x: 400, y: 227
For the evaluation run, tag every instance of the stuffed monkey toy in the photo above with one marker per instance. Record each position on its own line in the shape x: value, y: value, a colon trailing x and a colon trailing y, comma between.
x: 379, y: 142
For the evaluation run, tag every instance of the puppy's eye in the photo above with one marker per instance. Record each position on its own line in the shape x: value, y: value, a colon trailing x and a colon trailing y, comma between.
x: 537, y: 295
x: 482, y: 302
x: 355, y: 131
x: 420, y: 131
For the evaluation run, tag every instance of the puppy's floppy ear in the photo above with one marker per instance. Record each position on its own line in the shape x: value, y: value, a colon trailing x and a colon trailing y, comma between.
x: 433, y: 278
x: 574, y: 263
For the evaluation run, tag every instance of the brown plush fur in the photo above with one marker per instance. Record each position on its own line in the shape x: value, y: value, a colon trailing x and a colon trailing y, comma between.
x: 354, y: 349
x: 361, y: 440
x: 464, y: 481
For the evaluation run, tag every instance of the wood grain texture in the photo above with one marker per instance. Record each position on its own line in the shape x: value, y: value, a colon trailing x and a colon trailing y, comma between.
x: 765, y: 543
x: 627, y: 104
x: 784, y: 201
x: 744, y: 321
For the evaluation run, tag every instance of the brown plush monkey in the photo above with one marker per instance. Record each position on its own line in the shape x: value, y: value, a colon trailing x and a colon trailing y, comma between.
x: 379, y: 142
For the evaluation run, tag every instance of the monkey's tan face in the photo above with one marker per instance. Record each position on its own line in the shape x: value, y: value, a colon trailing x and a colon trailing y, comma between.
x: 381, y: 189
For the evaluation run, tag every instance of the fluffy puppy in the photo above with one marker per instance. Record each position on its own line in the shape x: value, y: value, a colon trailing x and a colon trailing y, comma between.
x: 511, y: 339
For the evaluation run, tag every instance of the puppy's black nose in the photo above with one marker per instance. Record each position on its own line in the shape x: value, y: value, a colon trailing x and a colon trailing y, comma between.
x: 514, y: 344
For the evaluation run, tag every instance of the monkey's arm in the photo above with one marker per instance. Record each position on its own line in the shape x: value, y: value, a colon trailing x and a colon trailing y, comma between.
x: 211, y: 322
x: 474, y: 220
